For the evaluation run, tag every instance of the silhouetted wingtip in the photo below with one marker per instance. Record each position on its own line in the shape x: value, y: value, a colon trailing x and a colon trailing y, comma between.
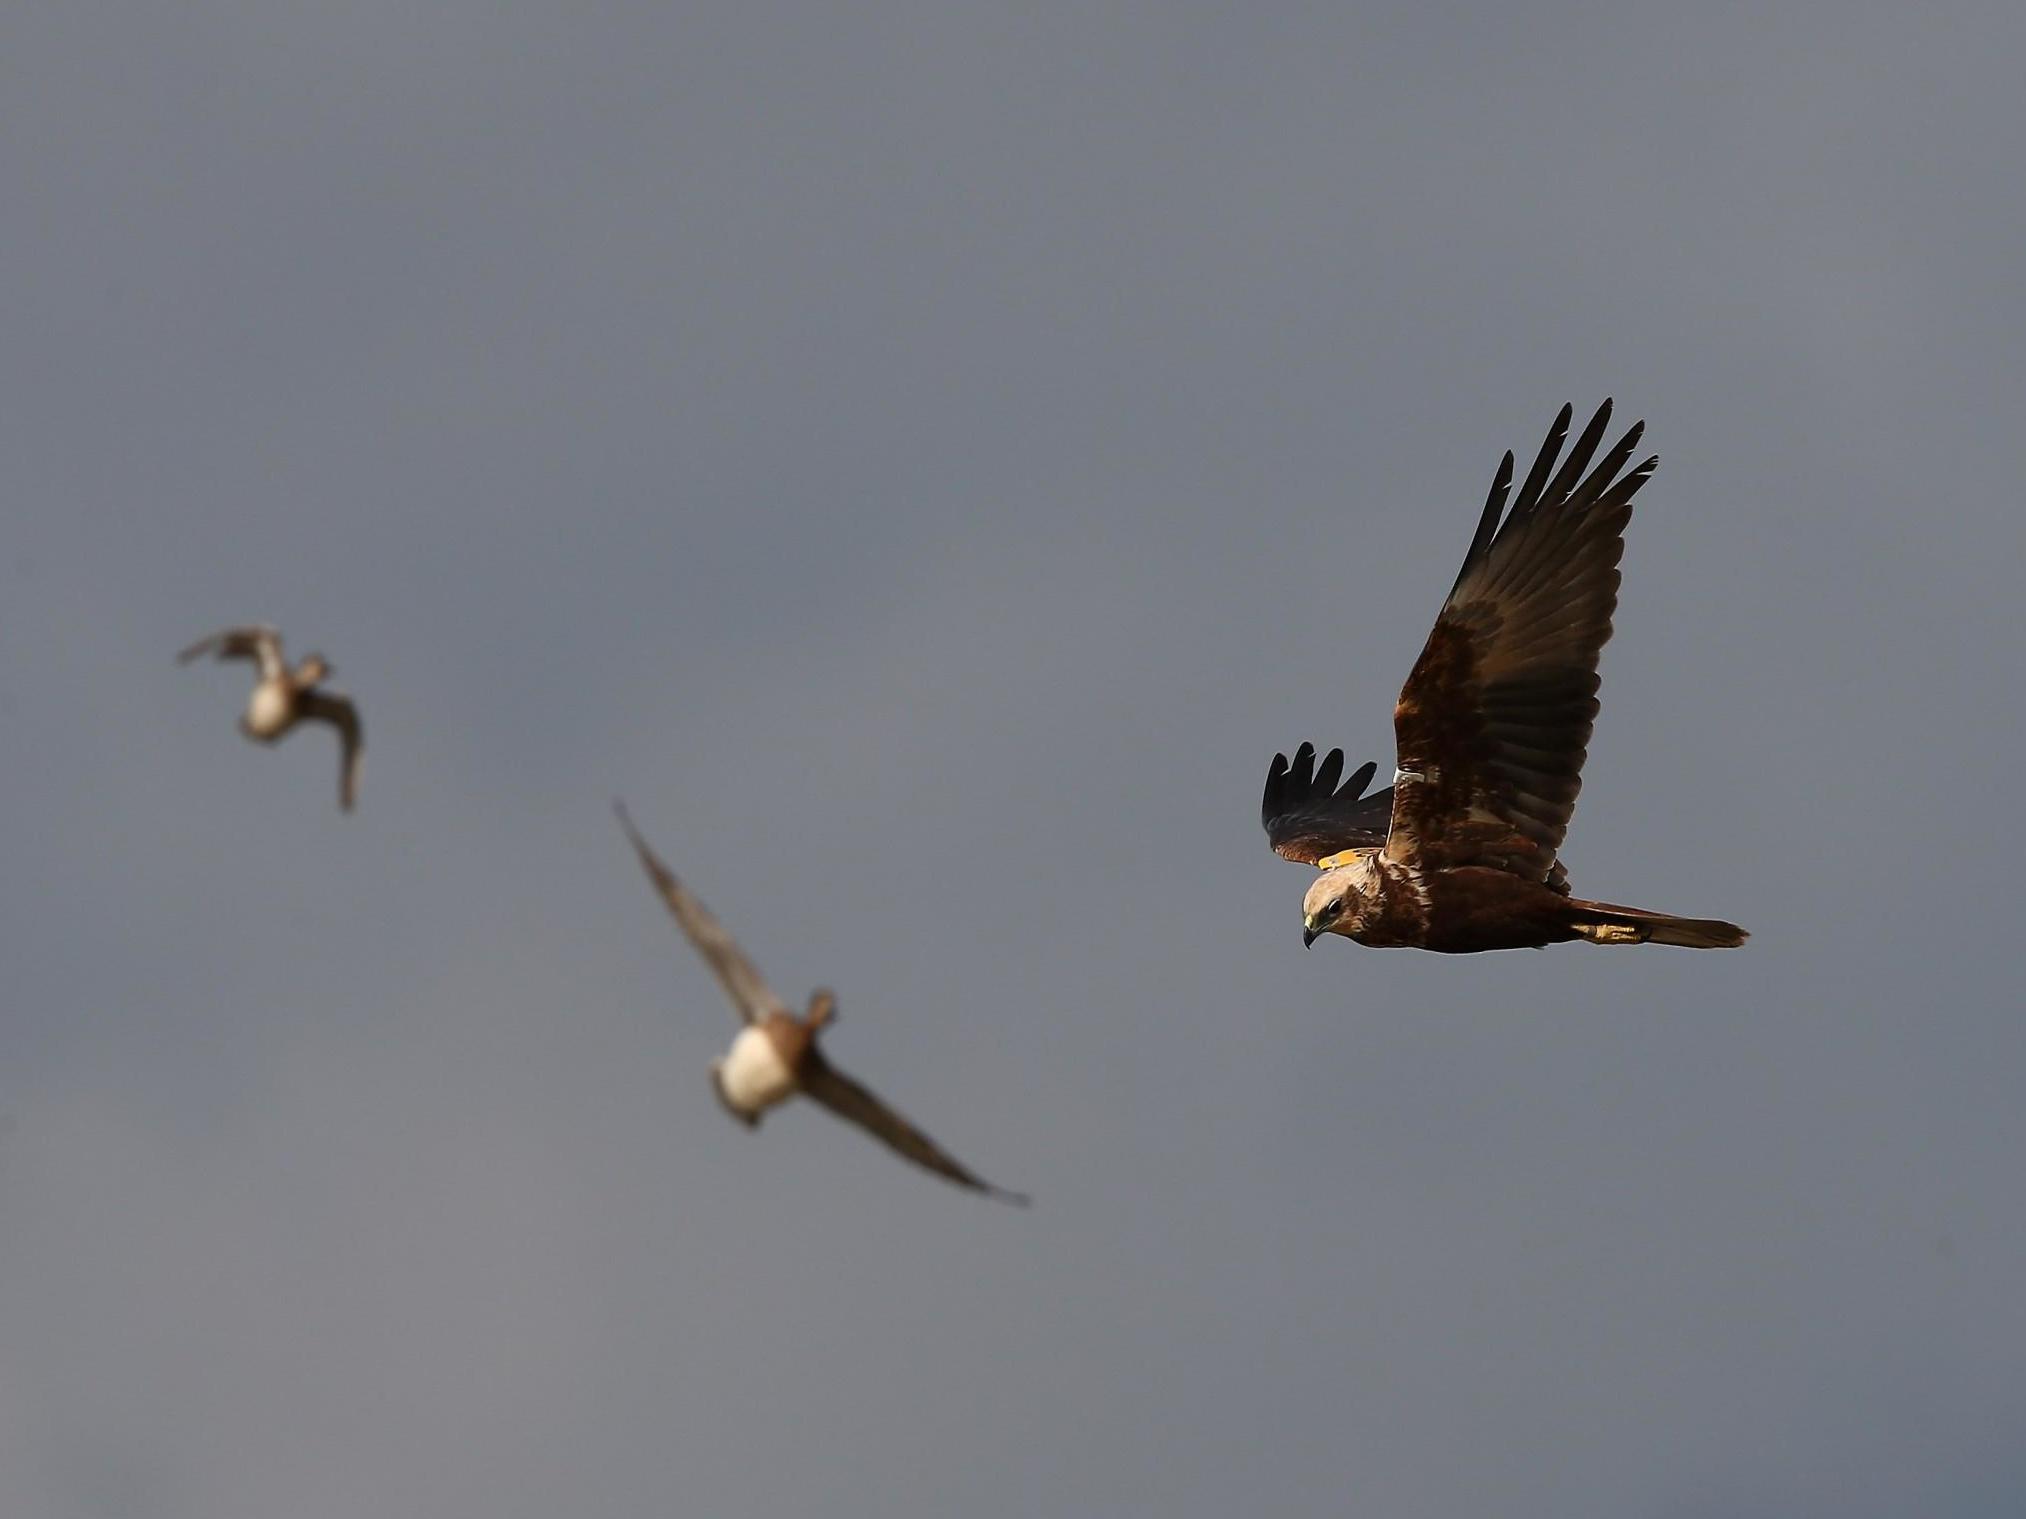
x: 648, y: 860
x: 1329, y: 772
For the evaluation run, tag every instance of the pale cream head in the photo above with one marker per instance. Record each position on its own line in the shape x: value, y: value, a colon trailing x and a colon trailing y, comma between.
x: 1331, y: 904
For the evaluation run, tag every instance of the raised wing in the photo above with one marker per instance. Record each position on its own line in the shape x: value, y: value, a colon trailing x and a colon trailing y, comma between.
x: 1493, y: 723
x: 741, y: 980
x: 257, y: 642
x: 338, y: 711
x: 853, y: 1103
x: 1308, y: 817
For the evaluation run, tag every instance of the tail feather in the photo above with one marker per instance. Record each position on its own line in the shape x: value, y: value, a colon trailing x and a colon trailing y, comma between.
x: 1608, y: 923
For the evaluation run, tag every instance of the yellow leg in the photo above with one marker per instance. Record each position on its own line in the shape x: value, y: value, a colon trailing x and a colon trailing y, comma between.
x: 1610, y: 933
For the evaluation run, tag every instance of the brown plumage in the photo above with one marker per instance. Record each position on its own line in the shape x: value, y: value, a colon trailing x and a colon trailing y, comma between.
x: 776, y: 1054
x: 283, y: 698
x: 1308, y: 817
x: 1491, y: 730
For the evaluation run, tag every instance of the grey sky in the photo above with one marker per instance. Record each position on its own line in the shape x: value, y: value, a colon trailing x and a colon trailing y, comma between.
x: 927, y: 460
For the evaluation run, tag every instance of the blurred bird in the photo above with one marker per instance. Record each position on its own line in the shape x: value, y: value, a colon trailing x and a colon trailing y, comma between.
x: 775, y: 1055
x: 283, y: 697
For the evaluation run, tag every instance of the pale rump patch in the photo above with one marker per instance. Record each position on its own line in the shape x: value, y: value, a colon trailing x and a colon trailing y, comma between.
x: 268, y: 710
x: 753, y: 1076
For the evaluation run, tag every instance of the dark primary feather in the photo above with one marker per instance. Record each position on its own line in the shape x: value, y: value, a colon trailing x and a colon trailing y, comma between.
x: 1308, y: 817
x: 256, y: 642
x: 1498, y: 711
x: 338, y: 711
x: 851, y: 1101
x: 740, y: 978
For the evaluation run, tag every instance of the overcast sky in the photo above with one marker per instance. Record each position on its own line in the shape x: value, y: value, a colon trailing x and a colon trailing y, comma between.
x: 927, y: 459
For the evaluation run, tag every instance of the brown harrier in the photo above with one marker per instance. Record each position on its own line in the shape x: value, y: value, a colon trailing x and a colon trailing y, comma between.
x: 776, y: 1055
x: 1459, y: 855
x: 283, y: 697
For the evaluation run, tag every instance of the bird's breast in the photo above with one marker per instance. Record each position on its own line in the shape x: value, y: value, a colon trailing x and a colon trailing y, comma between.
x: 269, y: 711
x: 753, y: 1076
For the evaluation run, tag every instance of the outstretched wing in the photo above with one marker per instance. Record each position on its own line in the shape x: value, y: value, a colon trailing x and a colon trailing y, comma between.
x: 1308, y: 817
x: 853, y: 1103
x: 257, y: 642
x: 338, y: 711
x: 740, y: 978
x: 1493, y: 724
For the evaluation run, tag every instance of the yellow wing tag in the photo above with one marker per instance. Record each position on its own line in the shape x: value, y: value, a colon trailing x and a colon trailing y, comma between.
x: 1341, y: 857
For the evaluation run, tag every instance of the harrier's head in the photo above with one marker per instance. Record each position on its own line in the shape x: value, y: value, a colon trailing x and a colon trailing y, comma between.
x: 1332, y: 903
x: 312, y: 670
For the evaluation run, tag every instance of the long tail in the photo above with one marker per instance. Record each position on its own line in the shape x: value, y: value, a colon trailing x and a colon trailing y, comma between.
x: 1608, y: 923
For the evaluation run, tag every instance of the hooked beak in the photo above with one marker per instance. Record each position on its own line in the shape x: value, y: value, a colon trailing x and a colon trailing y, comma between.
x: 1309, y: 936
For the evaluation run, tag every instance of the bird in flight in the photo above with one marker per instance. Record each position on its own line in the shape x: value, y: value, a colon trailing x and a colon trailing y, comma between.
x: 776, y: 1055
x: 1460, y: 854
x: 283, y: 697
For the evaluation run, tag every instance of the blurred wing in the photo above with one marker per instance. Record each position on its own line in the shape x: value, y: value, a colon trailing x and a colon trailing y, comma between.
x: 748, y: 990
x: 1494, y: 721
x: 257, y: 642
x: 338, y: 711
x: 854, y: 1104
x: 1308, y: 817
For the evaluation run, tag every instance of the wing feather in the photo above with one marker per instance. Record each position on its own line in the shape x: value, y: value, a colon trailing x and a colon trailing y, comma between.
x: 256, y: 641
x: 1537, y: 477
x: 854, y: 1103
x: 741, y: 979
x: 1308, y: 817
x: 1493, y: 724
x: 338, y: 710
